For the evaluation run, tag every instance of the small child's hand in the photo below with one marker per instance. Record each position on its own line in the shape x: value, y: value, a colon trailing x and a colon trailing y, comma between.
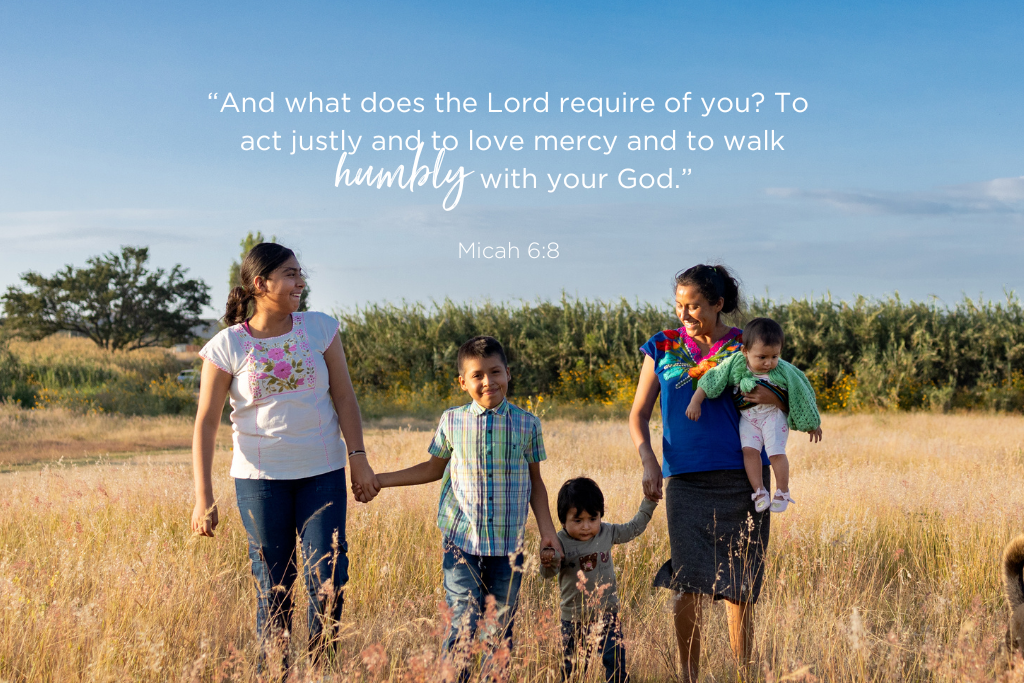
x: 547, y: 557
x: 815, y: 435
x: 693, y: 411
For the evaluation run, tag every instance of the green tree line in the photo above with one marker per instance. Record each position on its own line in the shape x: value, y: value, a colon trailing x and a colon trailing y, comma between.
x: 867, y: 353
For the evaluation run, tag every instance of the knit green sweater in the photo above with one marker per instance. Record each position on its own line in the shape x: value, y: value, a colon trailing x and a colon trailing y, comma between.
x: 803, y: 409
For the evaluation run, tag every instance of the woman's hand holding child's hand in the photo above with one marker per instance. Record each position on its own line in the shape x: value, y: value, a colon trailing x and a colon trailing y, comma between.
x: 548, y: 557
x: 815, y: 435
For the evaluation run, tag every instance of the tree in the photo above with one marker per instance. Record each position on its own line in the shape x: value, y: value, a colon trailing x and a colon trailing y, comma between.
x: 115, y: 301
x: 235, y: 270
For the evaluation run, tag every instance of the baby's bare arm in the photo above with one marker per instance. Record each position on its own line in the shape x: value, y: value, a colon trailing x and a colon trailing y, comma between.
x: 693, y: 410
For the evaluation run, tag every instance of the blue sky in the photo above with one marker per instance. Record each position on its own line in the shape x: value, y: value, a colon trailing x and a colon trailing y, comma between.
x: 903, y: 174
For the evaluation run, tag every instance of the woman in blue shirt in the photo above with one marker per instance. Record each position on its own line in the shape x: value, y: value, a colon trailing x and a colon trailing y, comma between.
x: 717, y: 538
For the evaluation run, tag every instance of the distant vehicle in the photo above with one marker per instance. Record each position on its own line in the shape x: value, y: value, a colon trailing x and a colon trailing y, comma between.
x: 188, y: 378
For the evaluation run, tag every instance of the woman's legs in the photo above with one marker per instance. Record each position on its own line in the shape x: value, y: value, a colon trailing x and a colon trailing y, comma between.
x: 320, y: 507
x: 689, y: 610
x: 688, y: 613
x: 741, y: 631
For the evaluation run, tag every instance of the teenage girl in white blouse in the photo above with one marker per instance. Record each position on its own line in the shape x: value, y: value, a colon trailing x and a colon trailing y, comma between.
x: 290, y: 392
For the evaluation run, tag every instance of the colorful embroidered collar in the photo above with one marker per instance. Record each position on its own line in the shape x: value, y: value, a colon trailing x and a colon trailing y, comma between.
x: 694, y: 350
x: 683, y: 358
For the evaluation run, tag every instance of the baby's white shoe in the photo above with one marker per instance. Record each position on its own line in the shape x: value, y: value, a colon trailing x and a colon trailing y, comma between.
x: 781, y: 501
x: 762, y: 500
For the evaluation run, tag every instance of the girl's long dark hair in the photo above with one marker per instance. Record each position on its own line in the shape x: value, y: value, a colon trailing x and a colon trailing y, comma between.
x: 261, y: 261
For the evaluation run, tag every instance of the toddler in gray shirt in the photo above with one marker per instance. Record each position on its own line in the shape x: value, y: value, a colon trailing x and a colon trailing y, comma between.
x: 586, y: 575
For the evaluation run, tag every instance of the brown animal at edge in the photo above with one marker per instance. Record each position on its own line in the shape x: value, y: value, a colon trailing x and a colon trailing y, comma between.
x: 1013, y: 581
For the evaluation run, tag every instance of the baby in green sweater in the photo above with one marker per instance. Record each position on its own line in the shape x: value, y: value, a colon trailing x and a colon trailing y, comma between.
x: 764, y: 425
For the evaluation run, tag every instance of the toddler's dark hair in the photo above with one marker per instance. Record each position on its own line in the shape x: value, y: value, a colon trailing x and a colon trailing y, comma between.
x: 581, y: 493
x: 764, y: 330
x: 714, y: 283
x: 262, y: 260
x: 481, y: 347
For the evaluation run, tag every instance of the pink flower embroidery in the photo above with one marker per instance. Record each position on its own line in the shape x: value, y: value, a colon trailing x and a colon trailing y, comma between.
x: 282, y: 370
x: 258, y: 347
x: 293, y: 348
x: 300, y: 381
x: 276, y: 354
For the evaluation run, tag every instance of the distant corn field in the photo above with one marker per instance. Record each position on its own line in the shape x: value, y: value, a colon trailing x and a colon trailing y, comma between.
x: 869, y: 354
x: 581, y: 358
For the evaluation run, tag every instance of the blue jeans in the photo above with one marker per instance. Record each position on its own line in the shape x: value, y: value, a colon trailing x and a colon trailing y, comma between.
x: 577, y: 647
x: 273, y: 513
x: 468, y: 581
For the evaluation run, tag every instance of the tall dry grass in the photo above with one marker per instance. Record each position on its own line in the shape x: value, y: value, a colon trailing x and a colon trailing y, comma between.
x: 35, y: 436
x: 886, y: 568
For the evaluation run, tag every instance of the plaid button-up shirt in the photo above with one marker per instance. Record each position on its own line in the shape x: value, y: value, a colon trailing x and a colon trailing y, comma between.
x: 485, y: 490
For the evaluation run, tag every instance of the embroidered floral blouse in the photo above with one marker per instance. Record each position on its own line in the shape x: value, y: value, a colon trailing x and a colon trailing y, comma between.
x: 713, y: 441
x: 283, y: 421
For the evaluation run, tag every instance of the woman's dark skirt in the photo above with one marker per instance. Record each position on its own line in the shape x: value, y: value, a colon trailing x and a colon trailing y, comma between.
x: 718, y: 541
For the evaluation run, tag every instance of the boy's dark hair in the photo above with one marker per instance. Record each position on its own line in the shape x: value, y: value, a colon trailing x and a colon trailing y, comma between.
x: 764, y: 330
x: 481, y: 347
x: 581, y: 493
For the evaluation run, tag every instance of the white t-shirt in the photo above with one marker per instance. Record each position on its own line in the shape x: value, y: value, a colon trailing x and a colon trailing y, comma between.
x: 283, y: 421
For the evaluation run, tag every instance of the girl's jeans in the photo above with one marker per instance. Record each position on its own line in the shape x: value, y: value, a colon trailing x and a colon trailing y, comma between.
x: 273, y: 512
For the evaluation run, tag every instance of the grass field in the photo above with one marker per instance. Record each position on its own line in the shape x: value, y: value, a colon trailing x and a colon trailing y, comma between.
x: 885, y: 570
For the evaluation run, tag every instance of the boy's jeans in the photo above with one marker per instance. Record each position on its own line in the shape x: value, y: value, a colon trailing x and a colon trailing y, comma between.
x: 577, y: 645
x: 468, y: 581
x: 273, y: 512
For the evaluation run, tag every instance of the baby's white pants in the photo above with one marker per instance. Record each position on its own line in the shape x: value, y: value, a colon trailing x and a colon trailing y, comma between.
x: 764, y: 425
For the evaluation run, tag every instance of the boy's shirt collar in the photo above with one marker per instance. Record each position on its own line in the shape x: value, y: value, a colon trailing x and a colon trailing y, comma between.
x: 501, y: 409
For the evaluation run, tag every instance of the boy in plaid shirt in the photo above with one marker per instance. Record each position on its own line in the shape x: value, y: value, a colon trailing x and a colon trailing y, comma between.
x: 487, y: 454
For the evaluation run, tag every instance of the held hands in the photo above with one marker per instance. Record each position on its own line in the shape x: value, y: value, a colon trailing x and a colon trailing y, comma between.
x: 652, y: 481
x: 550, y: 550
x: 815, y: 435
x: 365, y: 495
x: 365, y: 486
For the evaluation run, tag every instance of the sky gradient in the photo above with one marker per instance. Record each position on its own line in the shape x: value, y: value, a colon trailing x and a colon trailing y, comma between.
x: 903, y: 174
